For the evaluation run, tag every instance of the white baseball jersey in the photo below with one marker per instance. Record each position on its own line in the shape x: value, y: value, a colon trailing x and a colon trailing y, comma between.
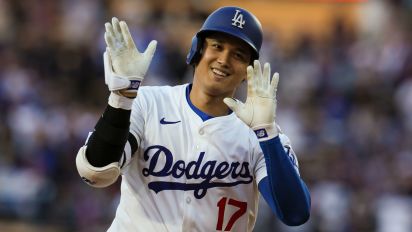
x: 188, y: 174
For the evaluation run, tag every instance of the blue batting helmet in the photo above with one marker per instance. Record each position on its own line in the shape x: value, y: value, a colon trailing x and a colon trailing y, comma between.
x: 234, y: 21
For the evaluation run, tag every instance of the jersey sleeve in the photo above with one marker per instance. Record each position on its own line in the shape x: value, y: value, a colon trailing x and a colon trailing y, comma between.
x: 287, y: 146
x: 257, y: 154
x: 260, y: 169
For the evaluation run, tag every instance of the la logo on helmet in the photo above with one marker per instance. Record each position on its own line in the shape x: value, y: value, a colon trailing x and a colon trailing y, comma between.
x: 237, y: 20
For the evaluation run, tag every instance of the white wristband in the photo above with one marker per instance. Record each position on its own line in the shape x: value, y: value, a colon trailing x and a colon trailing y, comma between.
x: 121, y: 102
x: 266, y: 132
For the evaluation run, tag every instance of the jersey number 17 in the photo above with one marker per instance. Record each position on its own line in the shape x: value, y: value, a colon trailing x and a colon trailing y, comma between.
x: 221, y: 204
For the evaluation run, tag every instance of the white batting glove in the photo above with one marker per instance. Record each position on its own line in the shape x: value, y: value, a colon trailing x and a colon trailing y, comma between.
x: 259, y: 110
x: 125, y: 66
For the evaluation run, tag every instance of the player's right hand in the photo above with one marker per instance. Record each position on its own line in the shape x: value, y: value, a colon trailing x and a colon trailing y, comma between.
x: 125, y: 66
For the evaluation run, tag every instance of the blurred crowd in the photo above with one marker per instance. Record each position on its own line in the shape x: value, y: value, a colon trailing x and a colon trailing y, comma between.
x: 345, y: 101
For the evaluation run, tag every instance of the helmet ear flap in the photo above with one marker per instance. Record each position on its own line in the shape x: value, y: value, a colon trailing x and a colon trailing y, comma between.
x: 195, y: 51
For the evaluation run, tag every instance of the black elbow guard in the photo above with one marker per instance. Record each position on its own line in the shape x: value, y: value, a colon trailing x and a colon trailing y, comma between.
x: 107, y: 142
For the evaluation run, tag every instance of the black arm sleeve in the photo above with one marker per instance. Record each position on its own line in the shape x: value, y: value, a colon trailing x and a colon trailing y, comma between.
x: 110, y: 135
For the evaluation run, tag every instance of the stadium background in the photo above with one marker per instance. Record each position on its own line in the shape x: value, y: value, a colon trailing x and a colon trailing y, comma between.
x: 345, y: 100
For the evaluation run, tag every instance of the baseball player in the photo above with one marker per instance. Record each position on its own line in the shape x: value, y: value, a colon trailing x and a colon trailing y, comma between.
x: 191, y: 157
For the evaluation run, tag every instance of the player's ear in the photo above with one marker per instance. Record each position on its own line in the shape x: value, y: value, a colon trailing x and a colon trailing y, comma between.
x: 201, y: 51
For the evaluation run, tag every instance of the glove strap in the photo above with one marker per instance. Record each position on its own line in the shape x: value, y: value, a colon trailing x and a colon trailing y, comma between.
x: 266, y: 132
x: 135, y: 84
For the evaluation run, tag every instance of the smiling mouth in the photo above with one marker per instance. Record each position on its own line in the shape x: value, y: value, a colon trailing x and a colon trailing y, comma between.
x: 219, y: 73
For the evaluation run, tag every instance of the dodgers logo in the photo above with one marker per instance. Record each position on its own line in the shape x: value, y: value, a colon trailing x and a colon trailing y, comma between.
x: 134, y: 84
x: 88, y: 181
x: 237, y: 20
x: 261, y: 133
x: 210, y: 172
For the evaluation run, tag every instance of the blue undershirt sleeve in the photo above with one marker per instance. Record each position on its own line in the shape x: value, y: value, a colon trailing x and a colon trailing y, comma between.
x: 283, y: 189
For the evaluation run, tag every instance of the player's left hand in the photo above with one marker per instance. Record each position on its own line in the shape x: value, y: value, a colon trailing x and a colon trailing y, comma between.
x: 259, y: 110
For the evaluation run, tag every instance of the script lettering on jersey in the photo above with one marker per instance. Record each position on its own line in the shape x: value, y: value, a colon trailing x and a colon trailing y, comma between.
x: 161, y: 164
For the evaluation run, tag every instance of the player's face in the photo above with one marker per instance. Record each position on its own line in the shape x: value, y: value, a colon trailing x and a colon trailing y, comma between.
x: 222, y: 66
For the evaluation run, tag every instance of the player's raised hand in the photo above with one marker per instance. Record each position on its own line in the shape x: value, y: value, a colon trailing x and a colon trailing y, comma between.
x: 125, y: 66
x: 259, y: 110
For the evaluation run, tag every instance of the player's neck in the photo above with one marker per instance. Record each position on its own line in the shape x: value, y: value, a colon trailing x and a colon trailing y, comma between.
x: 211, y: 105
